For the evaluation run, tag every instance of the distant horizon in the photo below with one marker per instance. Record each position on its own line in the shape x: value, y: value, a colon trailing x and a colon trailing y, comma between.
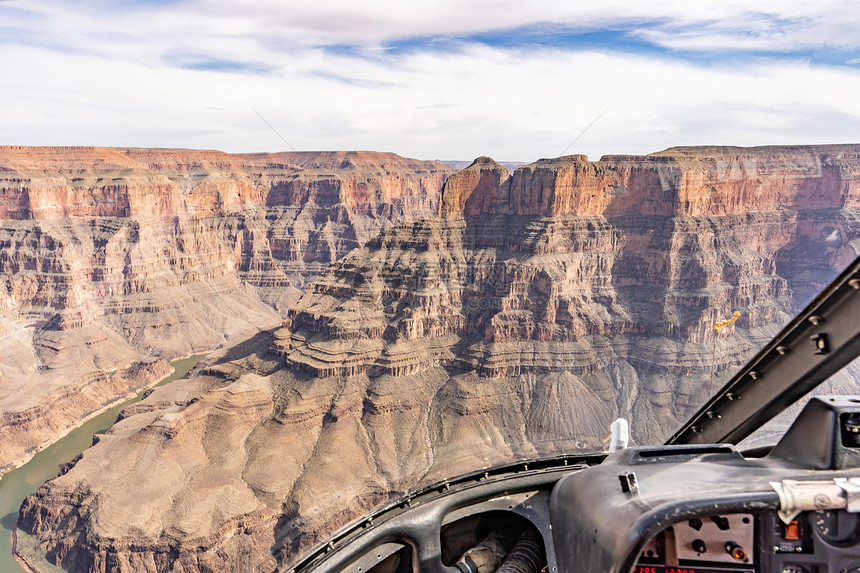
x: 448, y: 161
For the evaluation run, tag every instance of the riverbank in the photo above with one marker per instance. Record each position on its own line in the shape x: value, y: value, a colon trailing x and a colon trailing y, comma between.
x: 149, y: 374
x: 23, y: 562
x: 44, y: 465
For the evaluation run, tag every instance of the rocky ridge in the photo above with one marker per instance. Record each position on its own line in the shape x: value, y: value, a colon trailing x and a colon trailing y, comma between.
x: 113, y: 257
x: 534, y: 309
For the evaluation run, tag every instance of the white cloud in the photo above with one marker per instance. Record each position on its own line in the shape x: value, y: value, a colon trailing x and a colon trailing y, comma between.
x: 264, y: 28
x: 117, y: 78
x: 827, y: 22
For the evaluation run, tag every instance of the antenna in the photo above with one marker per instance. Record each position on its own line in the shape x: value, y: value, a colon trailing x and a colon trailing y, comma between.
x: 583, y: 131
x: 273, y: 129
x: 620, y: 435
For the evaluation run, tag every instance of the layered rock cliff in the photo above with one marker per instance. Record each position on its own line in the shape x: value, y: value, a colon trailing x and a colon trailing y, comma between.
x: 534, y: 309
x: 114, y: 257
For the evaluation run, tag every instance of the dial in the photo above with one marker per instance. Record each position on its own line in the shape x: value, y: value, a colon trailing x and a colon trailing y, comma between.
x: 837, y: 527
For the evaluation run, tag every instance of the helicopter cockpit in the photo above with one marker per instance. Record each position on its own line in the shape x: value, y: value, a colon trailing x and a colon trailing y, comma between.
x: 697, y: 504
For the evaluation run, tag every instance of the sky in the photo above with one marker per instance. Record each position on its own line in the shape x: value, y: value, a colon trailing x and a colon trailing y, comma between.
x: 446, y: 79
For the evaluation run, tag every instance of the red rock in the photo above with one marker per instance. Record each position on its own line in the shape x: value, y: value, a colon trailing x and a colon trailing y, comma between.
x: 479, y: 188
x: 109, y: 256
x: 697, y: 181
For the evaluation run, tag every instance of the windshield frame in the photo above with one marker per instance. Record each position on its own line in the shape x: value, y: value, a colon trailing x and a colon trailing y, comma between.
x: 817, y: 343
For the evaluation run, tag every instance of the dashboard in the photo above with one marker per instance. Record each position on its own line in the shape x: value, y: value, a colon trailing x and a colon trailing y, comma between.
x: 709, y: 509
x: 703, y: 508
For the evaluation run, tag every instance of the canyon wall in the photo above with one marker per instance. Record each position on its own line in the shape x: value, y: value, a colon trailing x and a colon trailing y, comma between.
x: 534, y: 309
x: 112, y: 260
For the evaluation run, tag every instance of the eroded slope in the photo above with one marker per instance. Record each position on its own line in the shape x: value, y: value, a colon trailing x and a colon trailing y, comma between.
x: 110, y: 257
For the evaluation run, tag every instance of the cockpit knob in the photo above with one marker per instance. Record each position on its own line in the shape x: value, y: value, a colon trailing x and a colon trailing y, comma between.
x: 699, y: 546
x: 736, y: 551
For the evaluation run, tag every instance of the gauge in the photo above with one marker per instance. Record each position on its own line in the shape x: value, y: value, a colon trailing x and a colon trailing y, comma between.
x: 837, y: 527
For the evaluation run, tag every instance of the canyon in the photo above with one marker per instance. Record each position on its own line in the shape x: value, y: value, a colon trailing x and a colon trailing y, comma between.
x: 114, y: 261
x: 514, y: 316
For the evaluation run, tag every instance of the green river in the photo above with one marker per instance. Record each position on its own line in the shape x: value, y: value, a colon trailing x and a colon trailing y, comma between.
x: 18, y: 484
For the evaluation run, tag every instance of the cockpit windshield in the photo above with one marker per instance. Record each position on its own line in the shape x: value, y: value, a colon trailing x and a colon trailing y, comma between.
x: 515, y: 325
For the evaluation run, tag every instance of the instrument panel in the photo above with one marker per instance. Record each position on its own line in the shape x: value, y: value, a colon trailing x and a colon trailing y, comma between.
x: 824, y: 541
x: 702, y: 545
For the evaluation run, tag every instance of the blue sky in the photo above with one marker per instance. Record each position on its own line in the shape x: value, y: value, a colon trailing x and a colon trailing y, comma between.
x: 446, y: 79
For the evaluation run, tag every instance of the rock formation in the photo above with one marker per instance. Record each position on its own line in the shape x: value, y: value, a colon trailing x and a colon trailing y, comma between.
x: 113, y: 257
x: 534, y: 309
